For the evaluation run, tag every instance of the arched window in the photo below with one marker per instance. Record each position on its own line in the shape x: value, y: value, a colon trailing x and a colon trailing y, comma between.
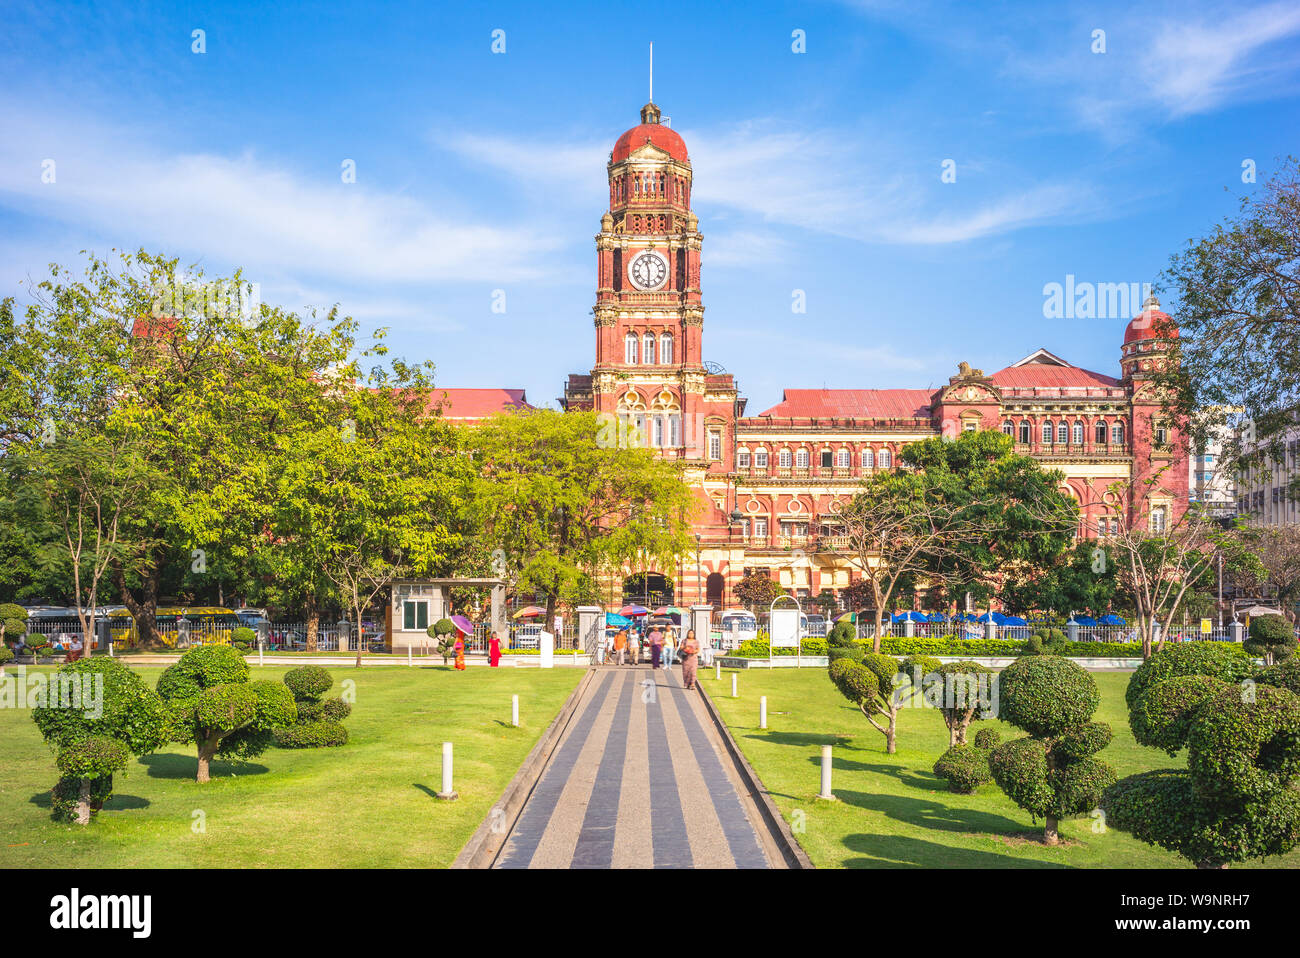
x: 1101, y: 432
x: 629, y: 349
x: 783, y: 460
x: 1117, y: 434
x: 868, y: 459
x: 885, y: 459
x: 648, y: 349
x: 1025, y: 432
x: 666, y: 348
x: 1062, y: 433
x: 1078, y: 434
x: 801, y: 459
x: 1047, y: 432
x: 842, y: 459
x: 1008, y: 428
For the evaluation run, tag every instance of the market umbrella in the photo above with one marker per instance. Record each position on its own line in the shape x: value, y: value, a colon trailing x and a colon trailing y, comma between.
x: 631, y: 610
x: 1014, y: 620
x: 528, y: 611
x: 848, y: 617
x: 619, y: 621
x: 1257, y: 610
x: 670, y: 610
x: 910, y: 616
x: 1084, y: 620
x: 463, y: 624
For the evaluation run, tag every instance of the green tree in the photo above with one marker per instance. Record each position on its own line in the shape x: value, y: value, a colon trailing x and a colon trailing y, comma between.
x: 212, y: 704
x: 757, y: 590
x: 1052, y: 771
x: 565, y: 501
x: 1272, y: 637
x: 96, y: 714
x: 880, y: 686
x: 1079, y: 580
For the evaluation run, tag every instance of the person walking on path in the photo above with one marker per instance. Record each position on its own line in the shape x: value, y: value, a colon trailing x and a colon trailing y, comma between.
x: 656, y: 646
x: 460, y: 653
x: 669, y: 650
x: 620, y: 644
x: 690, y: 657
x: 634, y: 647
x: 494, y: 650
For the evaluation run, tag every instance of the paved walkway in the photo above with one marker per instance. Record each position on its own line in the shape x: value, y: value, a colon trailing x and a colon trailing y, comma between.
x: 640, y: 779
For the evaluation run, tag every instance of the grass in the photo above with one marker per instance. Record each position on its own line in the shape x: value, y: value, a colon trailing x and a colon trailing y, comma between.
x: 369, y: 803
x: 892, y: 810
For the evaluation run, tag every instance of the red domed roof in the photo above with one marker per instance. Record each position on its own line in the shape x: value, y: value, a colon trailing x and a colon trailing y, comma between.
x: 1151, y: 323
x: 654, y: 133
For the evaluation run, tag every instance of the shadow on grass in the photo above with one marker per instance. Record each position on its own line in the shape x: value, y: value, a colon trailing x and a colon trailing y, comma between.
x: 118, y: 803
x: 431, y: 792
x: 900, y: 851
x: 187, y: 766
x: 927, y: 782
x: 932, y: 814
x: 835, y: 739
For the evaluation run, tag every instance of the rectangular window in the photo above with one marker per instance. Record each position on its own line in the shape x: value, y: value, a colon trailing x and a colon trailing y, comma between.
x: 827, y: 461
x: 715, y: 444
x: 760, y: 528
x: 415, y: 615
x: 760, y: 459
x: 742, y: 460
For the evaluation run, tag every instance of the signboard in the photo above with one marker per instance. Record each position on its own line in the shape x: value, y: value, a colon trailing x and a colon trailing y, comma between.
x: 783, y: 628
x: 1206, y: 626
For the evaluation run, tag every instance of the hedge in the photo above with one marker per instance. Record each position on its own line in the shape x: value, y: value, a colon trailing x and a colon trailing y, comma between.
x: 924, y: 645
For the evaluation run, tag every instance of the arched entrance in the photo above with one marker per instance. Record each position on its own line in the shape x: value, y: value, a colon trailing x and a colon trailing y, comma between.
x: 713, y: 587
x: 650, y: 589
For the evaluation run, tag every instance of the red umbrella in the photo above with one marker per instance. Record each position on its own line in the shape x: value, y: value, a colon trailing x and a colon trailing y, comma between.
x: 528, y: 611
x: 631, y: 610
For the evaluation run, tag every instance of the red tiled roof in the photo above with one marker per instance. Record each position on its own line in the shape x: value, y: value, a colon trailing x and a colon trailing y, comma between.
x: 1046, y: 374
x: 477, y: 403
x: 153, y: 327
x: 853, y: 403
x: 657, y: 134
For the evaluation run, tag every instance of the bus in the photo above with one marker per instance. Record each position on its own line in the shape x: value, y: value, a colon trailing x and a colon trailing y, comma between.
x: 203, y: 625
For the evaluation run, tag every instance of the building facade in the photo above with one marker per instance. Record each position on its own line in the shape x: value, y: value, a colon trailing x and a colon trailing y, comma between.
x: 770, y: 484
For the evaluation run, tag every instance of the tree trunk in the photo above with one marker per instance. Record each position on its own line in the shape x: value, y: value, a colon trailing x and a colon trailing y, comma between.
x: 313, y: 623
x: 144, y: 610
x: 1212, y: 865
x: 361, y: 639
x: 1050, y: 834
x: 892, y: 735
x: 83, y: 802
x: 207, y: 749
x: 875, y: 642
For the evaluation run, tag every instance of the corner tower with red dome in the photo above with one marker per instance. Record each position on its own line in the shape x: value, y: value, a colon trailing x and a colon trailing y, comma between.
x: 649, y: 317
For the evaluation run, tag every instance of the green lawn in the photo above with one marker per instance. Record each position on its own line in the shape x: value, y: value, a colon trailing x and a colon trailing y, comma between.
x: 892, y: 810
x: 367, y: 804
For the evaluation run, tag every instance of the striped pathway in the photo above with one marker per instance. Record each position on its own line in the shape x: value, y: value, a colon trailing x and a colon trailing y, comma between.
x: 640, y: 779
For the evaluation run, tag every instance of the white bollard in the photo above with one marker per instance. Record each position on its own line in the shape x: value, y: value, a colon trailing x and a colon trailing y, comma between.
x: 762, y: 711
x: 717, y: 671
x: 514, y: 710
x: 446, y: 793
x: 734, y: 693
x: 826, y: 775
x: 409, y: 663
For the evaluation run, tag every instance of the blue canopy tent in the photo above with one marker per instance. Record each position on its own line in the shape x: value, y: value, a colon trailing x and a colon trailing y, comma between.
x: 1112, y: 619
x: 1013, y: 620
x: 1084, y: 620
x: 910, y: 617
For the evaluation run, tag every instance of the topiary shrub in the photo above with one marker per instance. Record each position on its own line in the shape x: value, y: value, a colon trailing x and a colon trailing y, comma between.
x: 962, y: 692
x: 1046, y: 642
x: 1270, y: 636
x: 318, y: 723
x: 1225, y: 661
x: 1052, y: 773
x: 95, y: 714
x: 1284, y: 675
x: 6, y: 656
x: 443, y: 632
x: 965, y: 766
x: 243, y: 638
x: 879, y: 688
x: 13, y: 622
x: 1237, y: 800
x: 212, y: 704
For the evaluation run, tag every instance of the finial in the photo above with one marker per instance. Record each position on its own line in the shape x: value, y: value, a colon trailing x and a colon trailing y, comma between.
x: 1151, y: 303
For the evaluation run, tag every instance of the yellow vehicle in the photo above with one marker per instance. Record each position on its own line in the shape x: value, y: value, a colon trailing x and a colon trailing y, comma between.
x: 179, y: 628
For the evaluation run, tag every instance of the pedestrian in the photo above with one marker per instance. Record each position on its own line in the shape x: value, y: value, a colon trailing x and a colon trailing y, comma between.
x: 634, y: 647
x: 494, y: 650
x: 690, y: 656
x: 669, y: 650
x: 620, y: 644
x: 460, y: 653
x: 656, y: 646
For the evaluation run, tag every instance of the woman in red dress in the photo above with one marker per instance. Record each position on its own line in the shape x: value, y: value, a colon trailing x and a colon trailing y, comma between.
x: 494, y: 650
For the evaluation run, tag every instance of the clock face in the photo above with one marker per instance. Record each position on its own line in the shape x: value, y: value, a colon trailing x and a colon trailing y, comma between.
x: 648, y: 271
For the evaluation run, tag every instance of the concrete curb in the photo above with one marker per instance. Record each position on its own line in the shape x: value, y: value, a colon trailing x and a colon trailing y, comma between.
x: 485, y: 844
x: 791, y: 851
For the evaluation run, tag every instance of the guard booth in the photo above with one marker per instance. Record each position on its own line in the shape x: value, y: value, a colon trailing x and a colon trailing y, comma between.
x: 419, y: 603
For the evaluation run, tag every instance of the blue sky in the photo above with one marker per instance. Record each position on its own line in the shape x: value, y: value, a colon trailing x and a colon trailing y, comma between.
x: 817, y: 171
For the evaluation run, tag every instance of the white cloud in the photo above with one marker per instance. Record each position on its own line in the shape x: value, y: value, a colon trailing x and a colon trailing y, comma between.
x: 243, y: 210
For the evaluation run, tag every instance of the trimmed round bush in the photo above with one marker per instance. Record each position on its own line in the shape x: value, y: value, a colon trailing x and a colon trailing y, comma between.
x: 308, y: 683
x: 1271, y: 635
x: 1241, y: 751
x: 1045, y: 695
x: 964, y: 767
x: 95, y: 756
x: 1162, y: 716
x: 841, y: 634
x: 6, y: 654
x: 131, y: 712
x: 1078, y: 743
x: 335, y: 710
x: 1046, y: 642
x: 202, y: 668
x: 14, y: 619
x: 987, y: 738
x: 924, y: 664
x: 1020, y: 769
x: 322, y: 733
x: 1221, y: 660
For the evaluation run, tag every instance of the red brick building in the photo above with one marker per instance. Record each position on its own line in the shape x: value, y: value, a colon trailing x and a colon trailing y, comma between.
x: 770, y: 484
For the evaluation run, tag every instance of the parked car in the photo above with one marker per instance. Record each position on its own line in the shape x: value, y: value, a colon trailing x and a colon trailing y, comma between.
x: 815, y: 626
x: 736, y: 626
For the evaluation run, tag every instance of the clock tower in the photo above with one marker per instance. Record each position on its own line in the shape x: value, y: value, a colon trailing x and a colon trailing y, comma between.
x: 649, y: 369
